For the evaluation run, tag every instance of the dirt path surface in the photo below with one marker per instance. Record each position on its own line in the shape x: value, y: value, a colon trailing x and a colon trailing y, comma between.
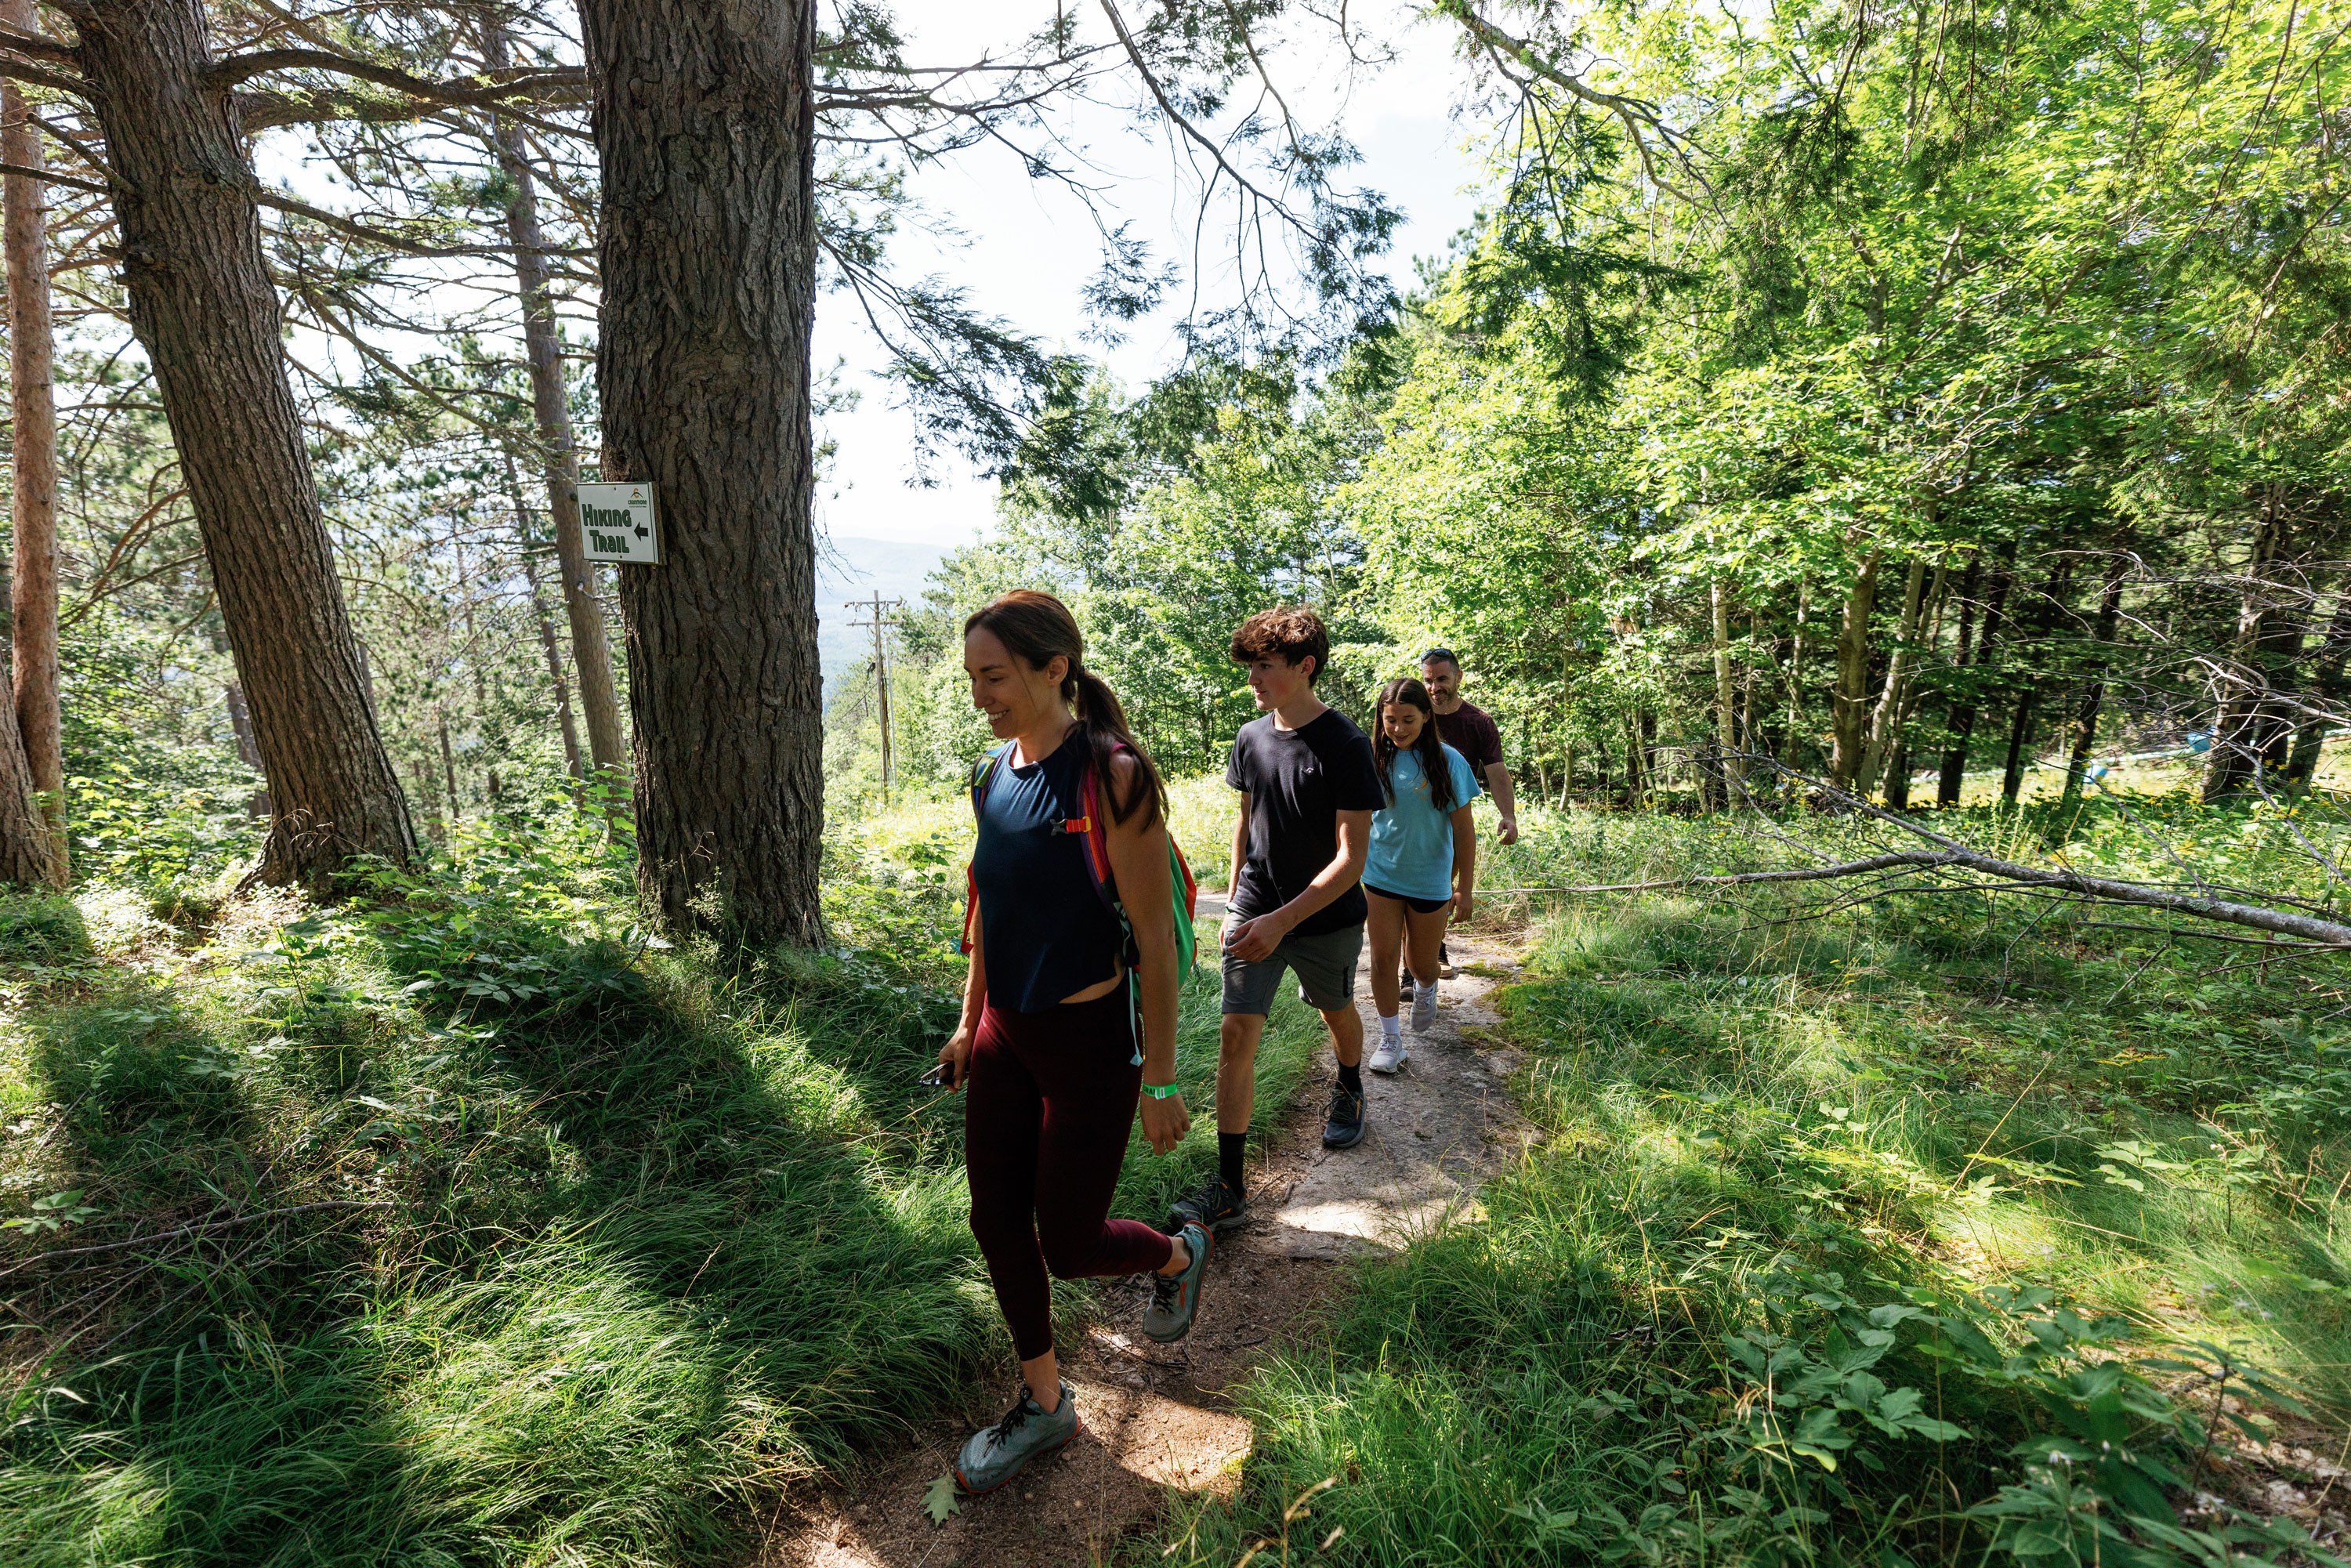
x: 1157, y: 1417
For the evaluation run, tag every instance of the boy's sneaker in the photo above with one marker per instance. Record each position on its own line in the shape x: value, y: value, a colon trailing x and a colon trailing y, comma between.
x: 1342, y: 1124
x: 1423, y: 1008
x: 994, y: 1455
x: 1175, y: 1298
x: 1389, y: 1056
x: 1214, y: 1208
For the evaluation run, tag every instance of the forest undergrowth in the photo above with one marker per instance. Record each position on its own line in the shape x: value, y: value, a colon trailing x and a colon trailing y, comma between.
x: 467, y: 1224
x: 1937, y: 1228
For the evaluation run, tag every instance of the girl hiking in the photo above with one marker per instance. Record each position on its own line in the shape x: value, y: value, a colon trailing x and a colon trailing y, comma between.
x: 1047, y: 1051
x: 1423, y: 865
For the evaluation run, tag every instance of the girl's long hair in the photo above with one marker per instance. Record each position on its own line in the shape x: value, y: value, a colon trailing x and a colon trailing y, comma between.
x: 1429, y: 747
x: 1036, y: 627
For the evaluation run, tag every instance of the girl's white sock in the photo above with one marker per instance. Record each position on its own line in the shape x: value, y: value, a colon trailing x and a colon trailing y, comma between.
x: 1391, y: 1027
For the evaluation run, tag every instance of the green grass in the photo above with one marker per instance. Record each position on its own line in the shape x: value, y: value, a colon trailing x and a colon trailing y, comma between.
x: 631, y: 1238
x: 1984, y: 1151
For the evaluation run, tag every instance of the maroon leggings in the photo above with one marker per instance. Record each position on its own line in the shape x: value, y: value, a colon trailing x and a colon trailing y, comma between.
x: 1048, y: 1100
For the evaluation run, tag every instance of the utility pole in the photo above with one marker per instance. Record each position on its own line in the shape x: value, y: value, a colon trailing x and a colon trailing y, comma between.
x: 881, y: 623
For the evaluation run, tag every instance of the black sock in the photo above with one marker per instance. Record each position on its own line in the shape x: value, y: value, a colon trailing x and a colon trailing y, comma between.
x: 1351, y: 1079
x: 1231, y: 1147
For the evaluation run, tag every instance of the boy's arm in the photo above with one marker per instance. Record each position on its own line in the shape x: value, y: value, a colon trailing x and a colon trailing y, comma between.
x: 1255, y: 939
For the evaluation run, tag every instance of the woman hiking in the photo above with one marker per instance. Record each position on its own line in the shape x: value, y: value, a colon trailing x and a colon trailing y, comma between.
x: 1046, y: 1052
x: 1423, y: 865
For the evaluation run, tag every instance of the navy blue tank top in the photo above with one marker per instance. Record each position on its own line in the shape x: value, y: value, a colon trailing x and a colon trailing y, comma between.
x: 1044, y: 932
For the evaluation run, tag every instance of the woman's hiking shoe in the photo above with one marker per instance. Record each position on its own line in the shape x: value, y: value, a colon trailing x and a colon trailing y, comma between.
x: 994, y: 1455
x: 1214, y: 1208
x: 1342, y: 1124
x: 1175, y: 1298
x: 1390, y: 1054
x: 1423, y: 1008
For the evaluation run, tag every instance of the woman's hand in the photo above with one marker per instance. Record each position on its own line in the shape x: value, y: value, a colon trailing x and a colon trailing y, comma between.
x: 1164, y: 1121
x: 1465, y: 904
x: 956, y: 1057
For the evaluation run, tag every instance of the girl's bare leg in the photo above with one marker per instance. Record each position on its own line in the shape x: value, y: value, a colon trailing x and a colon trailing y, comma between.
x: 1384, y: 926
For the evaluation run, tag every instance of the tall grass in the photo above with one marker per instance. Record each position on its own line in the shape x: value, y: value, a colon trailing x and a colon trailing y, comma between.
x: 628, y: 1238
x: 1984, y: 1151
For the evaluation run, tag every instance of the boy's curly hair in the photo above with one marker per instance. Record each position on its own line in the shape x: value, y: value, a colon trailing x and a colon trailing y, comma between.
x: 1291, y: 634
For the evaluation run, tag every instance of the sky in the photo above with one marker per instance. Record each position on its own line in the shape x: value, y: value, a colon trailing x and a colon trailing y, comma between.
x: 1024, y: 249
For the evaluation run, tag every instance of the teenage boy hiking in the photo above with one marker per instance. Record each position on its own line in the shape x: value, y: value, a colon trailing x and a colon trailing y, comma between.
x: 1471, y: 731
x: 1309, y: 787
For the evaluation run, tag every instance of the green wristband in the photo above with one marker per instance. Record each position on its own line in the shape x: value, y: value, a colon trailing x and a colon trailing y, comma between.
x: 1162, y: 1090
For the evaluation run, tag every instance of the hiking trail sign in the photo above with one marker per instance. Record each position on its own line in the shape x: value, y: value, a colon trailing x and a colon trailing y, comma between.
x: 617, y: 523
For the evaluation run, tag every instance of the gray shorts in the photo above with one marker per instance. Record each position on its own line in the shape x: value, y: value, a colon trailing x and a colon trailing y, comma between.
x: 1324, y: 964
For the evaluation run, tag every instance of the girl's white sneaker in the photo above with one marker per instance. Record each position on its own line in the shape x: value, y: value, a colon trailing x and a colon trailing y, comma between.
x: 1388, y: 1055
x: 1424, y: 1008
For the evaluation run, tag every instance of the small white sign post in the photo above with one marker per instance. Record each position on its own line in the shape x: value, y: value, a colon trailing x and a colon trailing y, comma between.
x: 617, y: 523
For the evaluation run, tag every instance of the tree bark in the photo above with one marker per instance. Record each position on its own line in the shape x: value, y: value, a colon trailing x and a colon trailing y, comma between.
x: 33, y: 497
x: 1959, y: 718
x: 1893, y: 698
x: 546, y: 640
x: 592, y: 652
x: 27, y: 854
x: 705, y: 121
x: 1726, y: 703
x: 240, y: 726
x: 2020, y: 731
x: 2328, y: 682
x: 1851, y: 702
x: 2094, y: 683
x: 2248, y: 725
x: 1796, y: 673
x: 204, y: 309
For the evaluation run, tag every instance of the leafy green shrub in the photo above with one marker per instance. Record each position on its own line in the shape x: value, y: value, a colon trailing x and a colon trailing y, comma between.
x: 41, y: 929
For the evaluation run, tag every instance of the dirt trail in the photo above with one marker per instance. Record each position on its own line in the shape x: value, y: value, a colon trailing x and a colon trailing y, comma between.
x: 1157, y: 1417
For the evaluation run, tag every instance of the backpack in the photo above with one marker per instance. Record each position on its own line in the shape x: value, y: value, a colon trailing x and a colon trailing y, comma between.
x: 1183, y: 886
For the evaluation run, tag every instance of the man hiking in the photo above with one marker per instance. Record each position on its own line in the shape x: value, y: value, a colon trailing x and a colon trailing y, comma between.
x: 1309, y: 787
x: 1470, y: 730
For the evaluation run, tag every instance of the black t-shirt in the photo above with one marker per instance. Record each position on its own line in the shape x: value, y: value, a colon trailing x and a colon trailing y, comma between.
x: 1298, y: 781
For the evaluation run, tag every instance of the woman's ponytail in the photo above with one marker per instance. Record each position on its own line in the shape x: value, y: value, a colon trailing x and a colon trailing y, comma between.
x: 1104, y: 721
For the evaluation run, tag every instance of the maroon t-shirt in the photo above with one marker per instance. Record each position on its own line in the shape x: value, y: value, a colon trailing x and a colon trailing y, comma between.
x: 1468, y: 730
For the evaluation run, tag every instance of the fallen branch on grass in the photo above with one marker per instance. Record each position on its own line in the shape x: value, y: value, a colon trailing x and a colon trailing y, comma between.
x: 2308, y: 931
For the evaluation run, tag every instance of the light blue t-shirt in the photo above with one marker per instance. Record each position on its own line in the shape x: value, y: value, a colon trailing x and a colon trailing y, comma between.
x: 1412, y: 841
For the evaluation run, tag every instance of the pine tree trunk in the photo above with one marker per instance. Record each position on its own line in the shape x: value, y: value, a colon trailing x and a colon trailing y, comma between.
x: 592, y: 652
x: 33, y: 587
x: 204, y: 309
x: 27, y: 854
x: 240, y: 726
x: 547, y: 641
x: 1851, y: 702
x: 705, y: 119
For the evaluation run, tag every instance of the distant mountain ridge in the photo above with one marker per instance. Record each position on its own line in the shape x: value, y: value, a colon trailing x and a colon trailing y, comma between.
x: 850, y: 569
